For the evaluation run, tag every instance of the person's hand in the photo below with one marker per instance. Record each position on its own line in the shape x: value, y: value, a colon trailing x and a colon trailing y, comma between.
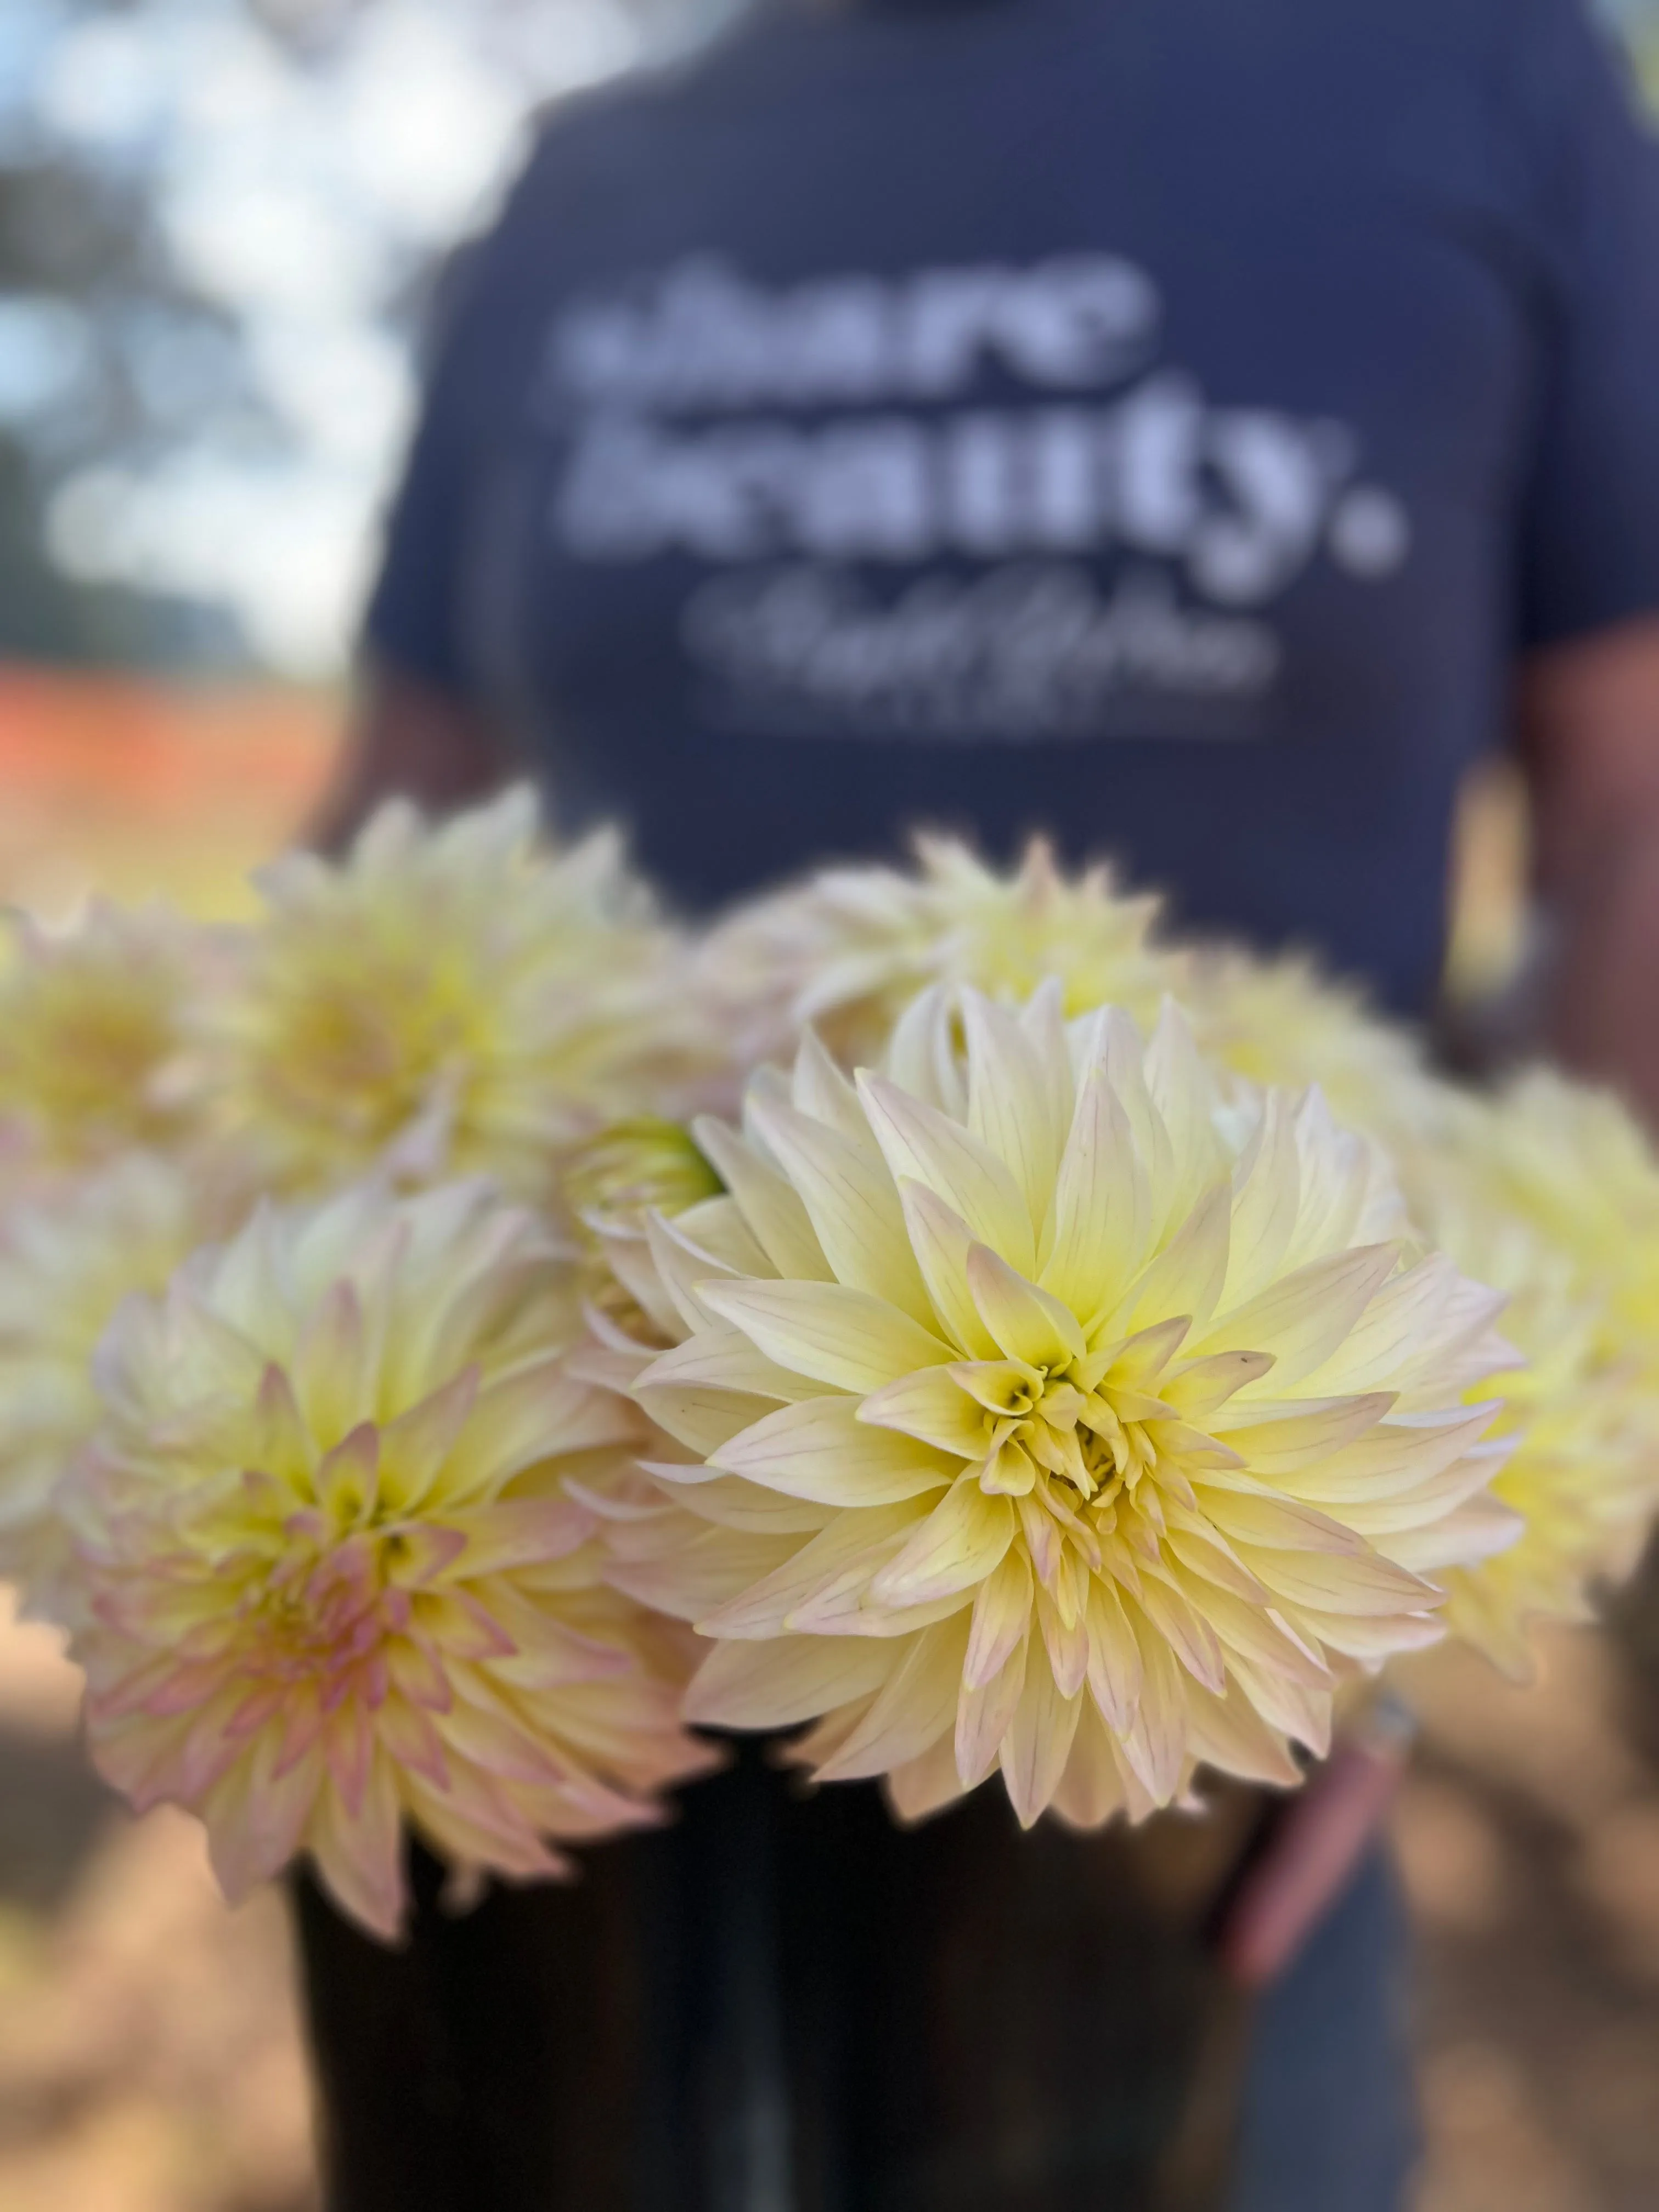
x: 1317, y: 1840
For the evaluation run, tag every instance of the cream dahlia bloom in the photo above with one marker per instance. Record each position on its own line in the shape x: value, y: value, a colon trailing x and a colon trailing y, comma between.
x: 848, y: 949
x: 68, y: 1259
x: 1549, y: 1193
x: 94, y: 1053
x: 1569, y: 1160
x: 1036, y: 1411
x: 337, y: 1573
x: 448, y: 1001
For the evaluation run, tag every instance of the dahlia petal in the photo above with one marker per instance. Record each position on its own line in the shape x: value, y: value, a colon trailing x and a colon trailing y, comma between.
x: 817, y: 1087
x: 1202, y: 1387
x: 329, y: 1375
x: 518, y: 1418
x: 771, y: 1208
x: 682, y: 1266
x: 1066, y: 1643
x: 519, y: 1532
x: 925, y: 1145
x: 1305, y: 1316
x: 208, y: 1749
x: 1292, y: 1707
x: 784, y: 1679
x: 822, y: 1450
x: 1393, y: 1457
x: 1428, y: 1508
x: 497, y: 1744
x: 923, y: 1786
x: 1277, y: 1448
x: 930, y: 1405
x: 1362, y: 1584
x: 348, y: 1747
x: 701, y: 1577
x: 1188, y: 1634
x: 415, y: 1668
x: 844, y: 1336
x: 724, y: 1358
x: 1002, y: 1617
x: 915, y: 1707
x: 729, y: 1503
x: 1197, y: 1551
x: 1356, y: 1637
x: 1249, y: 1629
x: 1090, y: 1790
x: 941, y: 1241
x: 1478, y: 1529
x: 141, y: 1759
x: 1154, y: 1743
x: 453, y: 1622
x: 358, y: 1855
x: 1227, y: 1733
x: 854, y: 1207
x: 1039, y: 1740
x: 716, y: 1226
x: 255, y: 1819
x: 1416, y: 1313
x: 628, y: 1255
x: 1260, y: 1516
x: 1185, y: 1277
x: 985, y: 1713
x: 1114, y: 1661
x: 1009, y: 1470
x: 1267, y: 1187
x: 472, y: 1823
x: 414, y: 1446
x: 1012, y: 1111
x: 286, y: 1445
x: 1100, y: 1206
x: 701, y: 1417
x: 549, y: 1650
x: 844, y: 1556
x: 412, y: 1742
x: 964, y: 1538
x: 1028, y: 1323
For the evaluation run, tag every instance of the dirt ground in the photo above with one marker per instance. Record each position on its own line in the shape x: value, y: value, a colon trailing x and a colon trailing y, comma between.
x: 149, y: 2052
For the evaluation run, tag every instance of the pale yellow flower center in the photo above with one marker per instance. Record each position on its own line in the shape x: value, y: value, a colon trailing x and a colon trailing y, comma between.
x: 1091, y: 1461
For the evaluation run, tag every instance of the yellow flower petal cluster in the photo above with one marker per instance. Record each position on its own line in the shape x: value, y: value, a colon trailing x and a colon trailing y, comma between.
x: 68, y: 1259
x: 1568, y: 1159
x: 449, y: 999
x: 1549, y: 1192
x: 1031, y: 1408
x: 848, y: 949
x: 94, y: 1049
x: 335, y: 1574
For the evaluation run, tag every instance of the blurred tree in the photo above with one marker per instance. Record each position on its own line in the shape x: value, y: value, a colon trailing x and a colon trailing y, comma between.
x: 218, y: 221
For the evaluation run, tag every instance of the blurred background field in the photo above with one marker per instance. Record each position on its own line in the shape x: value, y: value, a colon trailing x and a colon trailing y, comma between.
x: 219, y: 223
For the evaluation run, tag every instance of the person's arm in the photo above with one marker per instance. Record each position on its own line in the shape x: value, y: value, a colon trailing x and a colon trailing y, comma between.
x: 408, y: 735
x: 1590, y: 734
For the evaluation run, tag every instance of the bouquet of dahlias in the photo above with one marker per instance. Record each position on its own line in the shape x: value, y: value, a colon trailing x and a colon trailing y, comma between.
x: 462, y: 1335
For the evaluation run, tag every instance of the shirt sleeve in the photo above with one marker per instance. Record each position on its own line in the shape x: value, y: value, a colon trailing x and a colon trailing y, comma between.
x: 413, y: 616
x: 1589, y: 535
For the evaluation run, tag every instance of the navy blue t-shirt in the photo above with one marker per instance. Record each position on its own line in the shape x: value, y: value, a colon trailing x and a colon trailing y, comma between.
x: 1162, y: 423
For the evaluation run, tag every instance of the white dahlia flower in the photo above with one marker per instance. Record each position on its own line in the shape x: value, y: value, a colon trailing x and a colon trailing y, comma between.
x: 1029, y: 1409
x: 335, y: 1572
